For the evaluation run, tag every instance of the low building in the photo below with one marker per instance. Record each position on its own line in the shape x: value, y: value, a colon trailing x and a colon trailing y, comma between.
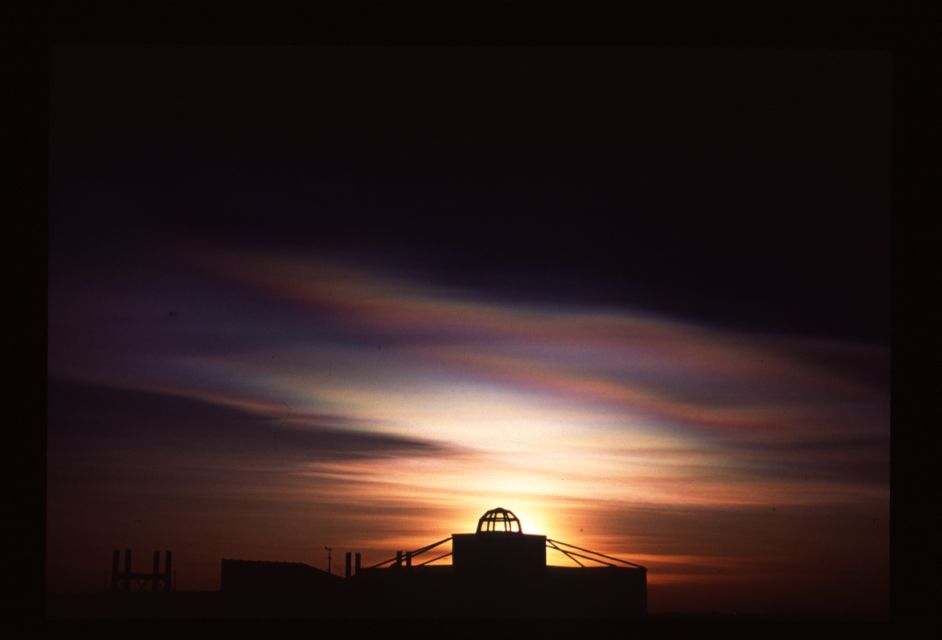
x: 496, y: 572
x: 261, y: 577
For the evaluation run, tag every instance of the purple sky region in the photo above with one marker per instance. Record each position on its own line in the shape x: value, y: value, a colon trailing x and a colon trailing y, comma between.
x: 306, y: 296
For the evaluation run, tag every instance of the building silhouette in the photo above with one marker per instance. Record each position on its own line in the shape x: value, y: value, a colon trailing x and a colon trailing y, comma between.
x: 496, y: 572
x: 260, y: 577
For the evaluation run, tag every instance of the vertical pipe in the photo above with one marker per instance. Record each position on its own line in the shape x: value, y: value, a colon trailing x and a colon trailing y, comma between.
x: 399, y: 558
x: 408, y: 558
x: 115, y: 569
x: 356, y: 563
x: 127, y: 570
x: 155, y: 573
x: 168, y: 562
x: 346, y: 565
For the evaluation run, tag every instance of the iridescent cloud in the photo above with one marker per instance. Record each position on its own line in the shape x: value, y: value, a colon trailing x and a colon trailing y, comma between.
x: 581, y: 420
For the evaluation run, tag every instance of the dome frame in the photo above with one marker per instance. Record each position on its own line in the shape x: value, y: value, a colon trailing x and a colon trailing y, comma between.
x: 499, y: 520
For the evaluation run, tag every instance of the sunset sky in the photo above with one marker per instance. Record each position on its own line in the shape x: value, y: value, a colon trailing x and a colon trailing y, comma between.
x: 355, y: 297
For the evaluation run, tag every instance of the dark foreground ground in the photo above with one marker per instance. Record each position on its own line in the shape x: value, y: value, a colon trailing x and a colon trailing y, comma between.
x: 211, y: 614
x: 215, y: 611
x: 215, y: 605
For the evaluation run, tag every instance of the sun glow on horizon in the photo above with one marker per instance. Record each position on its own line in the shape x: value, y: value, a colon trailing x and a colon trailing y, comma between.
x: 410, y: 411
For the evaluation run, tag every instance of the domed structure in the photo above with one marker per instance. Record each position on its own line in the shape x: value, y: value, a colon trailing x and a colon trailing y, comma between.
x: 498, y: 546
x: 501, y: 572
x: 499, y: 520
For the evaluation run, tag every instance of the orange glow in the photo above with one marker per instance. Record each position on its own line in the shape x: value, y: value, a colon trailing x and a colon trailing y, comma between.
x: 641, y: 437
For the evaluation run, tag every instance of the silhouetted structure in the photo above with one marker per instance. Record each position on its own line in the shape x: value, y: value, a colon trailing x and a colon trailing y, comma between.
x: 499, y: 572
x: 498, y: 546
x: 159, y: 580
x: 261, y: 577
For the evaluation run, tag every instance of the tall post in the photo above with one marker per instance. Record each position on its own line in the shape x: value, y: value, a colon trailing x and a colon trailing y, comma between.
x: 399, y: 558
x: 115, y: 569
x: 408, y: 558
x: 127, y: 570
x: 155, y: 572
x: 346, y: 565
x: 356, y: 563
x: 168, y: 562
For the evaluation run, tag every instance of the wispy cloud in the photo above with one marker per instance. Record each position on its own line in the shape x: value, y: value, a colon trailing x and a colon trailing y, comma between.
x: 399, y: 411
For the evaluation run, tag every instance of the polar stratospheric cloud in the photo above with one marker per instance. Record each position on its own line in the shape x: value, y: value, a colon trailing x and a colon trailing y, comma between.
x: 283, y: 402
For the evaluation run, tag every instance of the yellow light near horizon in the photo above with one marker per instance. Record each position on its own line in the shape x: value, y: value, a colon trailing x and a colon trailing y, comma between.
x: 532, y: 520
